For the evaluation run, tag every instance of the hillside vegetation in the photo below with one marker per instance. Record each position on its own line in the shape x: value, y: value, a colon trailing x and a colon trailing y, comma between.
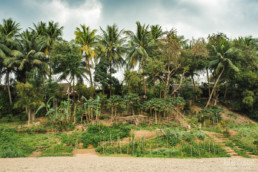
x: 59, y: 96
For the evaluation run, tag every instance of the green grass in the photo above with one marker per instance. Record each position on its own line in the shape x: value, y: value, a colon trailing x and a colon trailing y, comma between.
x: 22, y: 144
x: 247, y: 138
x: 238, y: 151
x: 98, y: 133
x: 145, y: 126
x: 170, y: 144
x: 56, y: 155
x: 12, y: 145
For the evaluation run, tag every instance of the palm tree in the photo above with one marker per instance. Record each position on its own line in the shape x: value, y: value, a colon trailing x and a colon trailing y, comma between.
x: 51, y: 34
x: 141, y: 45
x: 9, y: 32
x: 156, y: 32
x: 113, y: 48
x: 222, y: 61
x: 88, y: 42
x: 31, y: 57
x: 40, y: 28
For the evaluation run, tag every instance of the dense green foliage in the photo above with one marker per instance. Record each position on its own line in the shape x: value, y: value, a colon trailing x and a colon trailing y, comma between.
x: 160, y: 70
x: 11, y: 145
x: 98, y: 133
x: 170, y: 143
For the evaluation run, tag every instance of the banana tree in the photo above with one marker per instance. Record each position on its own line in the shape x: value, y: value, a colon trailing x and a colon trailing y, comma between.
x: 61, y: 115
x: 132, y: 101
x: 115, y: 102
x: 91, y: 108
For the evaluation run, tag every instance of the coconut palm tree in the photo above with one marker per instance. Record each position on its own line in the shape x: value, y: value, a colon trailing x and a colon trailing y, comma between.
x: 156, y: 32
x: 9, y: 32
x: 51, y: 34
x: 141, y: 46
x: 31, y: 57
x: 223, y: 53
x: 113, y: 48
x: 88, y: 41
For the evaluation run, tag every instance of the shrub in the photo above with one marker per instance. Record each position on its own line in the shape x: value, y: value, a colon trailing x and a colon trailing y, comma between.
x: 232, y: 115
x: 60, y: 148
x: 97, y: 133
x: 11, y: 145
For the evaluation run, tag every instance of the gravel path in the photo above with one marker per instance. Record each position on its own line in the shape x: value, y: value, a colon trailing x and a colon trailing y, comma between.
x: 113, y: 164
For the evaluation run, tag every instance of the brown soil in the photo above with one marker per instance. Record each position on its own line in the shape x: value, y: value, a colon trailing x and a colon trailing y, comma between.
x: 241, y: 119
x: 85, y: 152
x: 232, y: 132
x: 138, y: 135
x: 195, y: 109
x: 36, y: 153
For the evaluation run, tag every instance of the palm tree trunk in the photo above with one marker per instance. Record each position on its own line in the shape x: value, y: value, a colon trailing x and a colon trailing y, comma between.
x: 8, y: 87
x: 208, y: 79
x: 156, y: 118
x: 88, y: 68
x: 91, y: 81
x: 29, y: 119
x: 50, y: 70
x: 226, y: 90
x: 144, y: 87
x: 110, y: 75
x: 32, y: 114
x: 194, y: 87
x: 214, y: 87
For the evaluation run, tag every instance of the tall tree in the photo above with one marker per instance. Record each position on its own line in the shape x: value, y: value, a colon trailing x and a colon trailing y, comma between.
x: 171, y: 53
x: 88, y: 41
x: 31, y: 57
x: 51, y: 34
x: 197, y: 59
x: 68, y: 63
x: 141, y: 45
x: 156, y: 32
x: 221, y: 52
x: 113, y: 48
x: 8, y: 48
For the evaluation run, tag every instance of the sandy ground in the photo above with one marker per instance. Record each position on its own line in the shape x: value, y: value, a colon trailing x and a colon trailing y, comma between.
x: 113, y: 164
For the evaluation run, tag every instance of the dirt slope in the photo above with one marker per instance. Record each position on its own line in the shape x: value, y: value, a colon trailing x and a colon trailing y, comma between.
x: 241, y: 119
x: 219, y: 138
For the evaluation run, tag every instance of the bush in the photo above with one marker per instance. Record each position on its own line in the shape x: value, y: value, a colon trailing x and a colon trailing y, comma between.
x: 11, y: 145
x: 170, y: 152
x: 11, y: 118
x: 232, y: 115
x: 5, y: 107
x: 34, y: 129
x: 71, y: 139
x: 97, y: 133
x: 60, y: 148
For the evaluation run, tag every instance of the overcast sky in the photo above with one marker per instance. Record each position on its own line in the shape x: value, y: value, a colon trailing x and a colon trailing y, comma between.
x: 192, y: 18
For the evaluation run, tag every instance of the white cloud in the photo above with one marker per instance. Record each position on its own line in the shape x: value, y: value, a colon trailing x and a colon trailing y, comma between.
x: 89, y: 13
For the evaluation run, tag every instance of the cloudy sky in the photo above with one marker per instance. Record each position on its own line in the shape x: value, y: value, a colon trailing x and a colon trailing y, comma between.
x: 192, y: 18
